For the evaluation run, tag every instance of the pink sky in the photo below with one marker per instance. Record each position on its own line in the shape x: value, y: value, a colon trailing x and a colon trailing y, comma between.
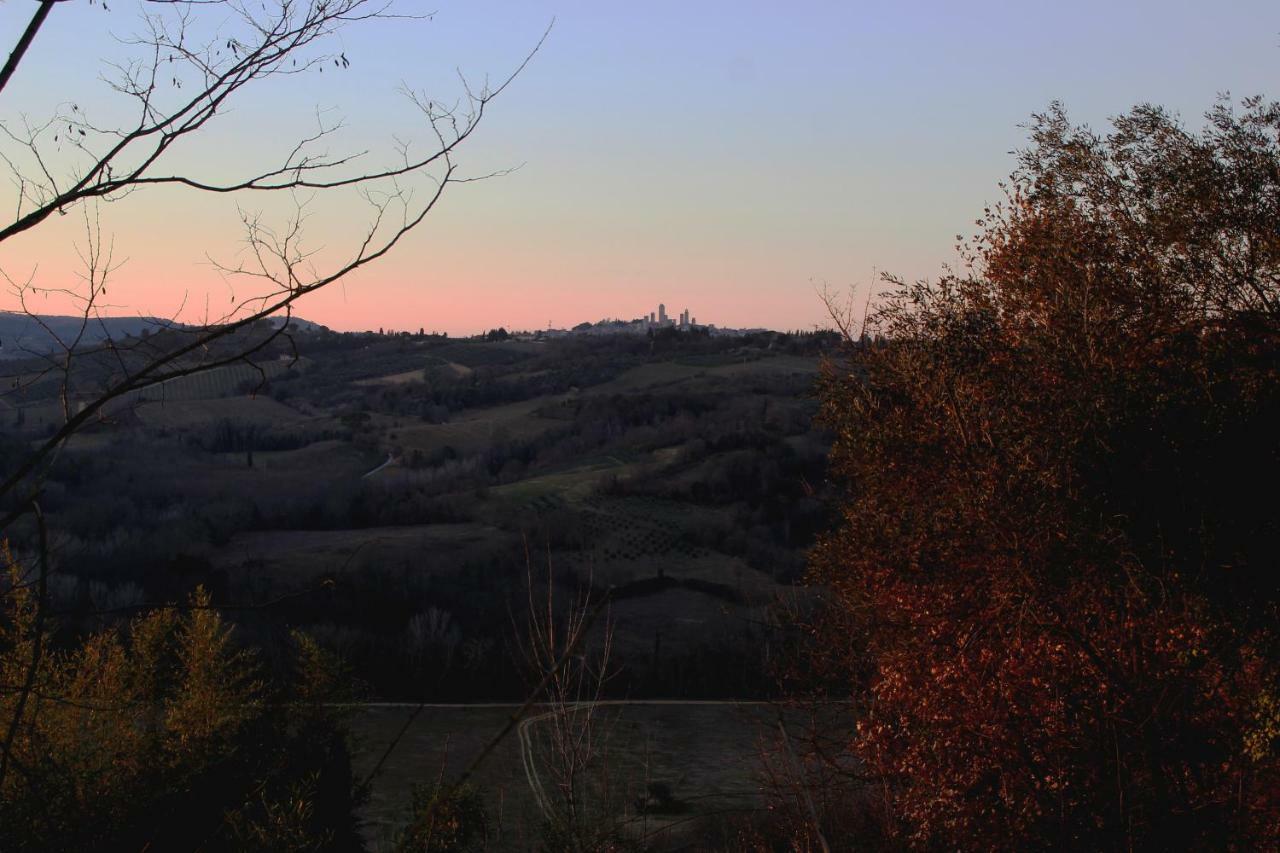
x: 728, y: 158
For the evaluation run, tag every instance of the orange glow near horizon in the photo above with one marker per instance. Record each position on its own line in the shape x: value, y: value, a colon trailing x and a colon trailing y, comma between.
x: 727, y: 158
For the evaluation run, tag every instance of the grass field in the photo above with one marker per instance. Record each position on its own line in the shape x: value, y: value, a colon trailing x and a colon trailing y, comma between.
x: 187, y: 414
x: 459, y: 371
x: 480, y: 354
x: 648, y: 376
x: 298, y: 555
x: 217, y: 382
x: 211, y: 477
x: 572, y: 485
x: 681, y: 620
x: 688, y: 594
x: 392, y: 379
x: 325, y: 455
x: 705, y: 753
x: 778, y: 364
x: 666, y: 373
x: 474, y: 429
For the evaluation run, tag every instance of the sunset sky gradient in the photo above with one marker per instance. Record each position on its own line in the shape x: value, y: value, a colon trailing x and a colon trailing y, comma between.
x: 727, y: 157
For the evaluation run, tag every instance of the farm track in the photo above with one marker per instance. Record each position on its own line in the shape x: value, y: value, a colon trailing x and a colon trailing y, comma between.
x: 706, y: 751
x: 528, y: 755
x: 603, y: 703
x: 390, y: 460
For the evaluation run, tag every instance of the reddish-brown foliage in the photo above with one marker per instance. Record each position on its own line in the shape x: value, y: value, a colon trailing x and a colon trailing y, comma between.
x: 1054, y: 585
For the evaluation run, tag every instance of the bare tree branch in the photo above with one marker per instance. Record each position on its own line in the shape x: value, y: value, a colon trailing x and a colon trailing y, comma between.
x: 24, y: 41
x: 274, y: 39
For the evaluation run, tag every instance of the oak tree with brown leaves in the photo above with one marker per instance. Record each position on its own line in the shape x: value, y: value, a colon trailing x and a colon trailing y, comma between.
x: 1053, y: 588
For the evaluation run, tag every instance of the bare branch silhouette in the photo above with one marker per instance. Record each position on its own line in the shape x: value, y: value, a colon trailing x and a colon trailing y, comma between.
x: 190, y: 65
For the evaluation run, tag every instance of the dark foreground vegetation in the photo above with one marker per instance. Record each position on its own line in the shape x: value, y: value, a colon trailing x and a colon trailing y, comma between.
x: 1035, y: 608
x: 1054, y: 590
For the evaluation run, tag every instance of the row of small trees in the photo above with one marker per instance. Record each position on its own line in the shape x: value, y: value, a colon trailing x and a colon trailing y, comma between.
x: 160, y: 731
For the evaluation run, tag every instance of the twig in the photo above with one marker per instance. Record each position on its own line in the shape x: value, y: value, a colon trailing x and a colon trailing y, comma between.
x: 515, y: 718
x: 804, y: 791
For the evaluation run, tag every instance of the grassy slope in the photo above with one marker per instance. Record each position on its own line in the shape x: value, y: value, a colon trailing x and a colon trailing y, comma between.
x: 683, y: 746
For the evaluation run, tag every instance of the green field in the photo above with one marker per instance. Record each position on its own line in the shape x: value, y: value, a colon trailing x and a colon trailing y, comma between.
x: 648, y: 376
x: 482, y: 354
x: 188, y: 413
x: 301, y: 555
x: 450, y: 368
x: 707, y: 754
x: 574, y: 484
x: 473, y: 429
x: 664, y: 374
x: 217, y: 382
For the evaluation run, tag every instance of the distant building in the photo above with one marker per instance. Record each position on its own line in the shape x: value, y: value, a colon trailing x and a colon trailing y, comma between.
x: 644, y: 324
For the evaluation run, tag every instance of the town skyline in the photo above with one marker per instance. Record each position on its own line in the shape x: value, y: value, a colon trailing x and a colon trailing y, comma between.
x: 658, y: 318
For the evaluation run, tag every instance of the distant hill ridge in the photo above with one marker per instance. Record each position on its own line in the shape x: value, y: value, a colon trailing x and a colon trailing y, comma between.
x: 22, y: 335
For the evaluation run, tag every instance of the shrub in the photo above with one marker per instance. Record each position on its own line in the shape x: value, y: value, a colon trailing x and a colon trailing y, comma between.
x: 162, y: 735
x: 445, y: 820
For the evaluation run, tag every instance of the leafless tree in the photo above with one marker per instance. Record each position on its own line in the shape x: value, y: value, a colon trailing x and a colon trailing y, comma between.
x: 187, y: 63
x: 190, y: 61
x: 565, y: 747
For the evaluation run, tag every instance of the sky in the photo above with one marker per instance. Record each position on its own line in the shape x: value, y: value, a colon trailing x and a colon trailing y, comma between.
x: 732, y: 158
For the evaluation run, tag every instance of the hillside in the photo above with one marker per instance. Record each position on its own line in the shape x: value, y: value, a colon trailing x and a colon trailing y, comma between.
x: 373, y: 479
x: 22, y: 335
